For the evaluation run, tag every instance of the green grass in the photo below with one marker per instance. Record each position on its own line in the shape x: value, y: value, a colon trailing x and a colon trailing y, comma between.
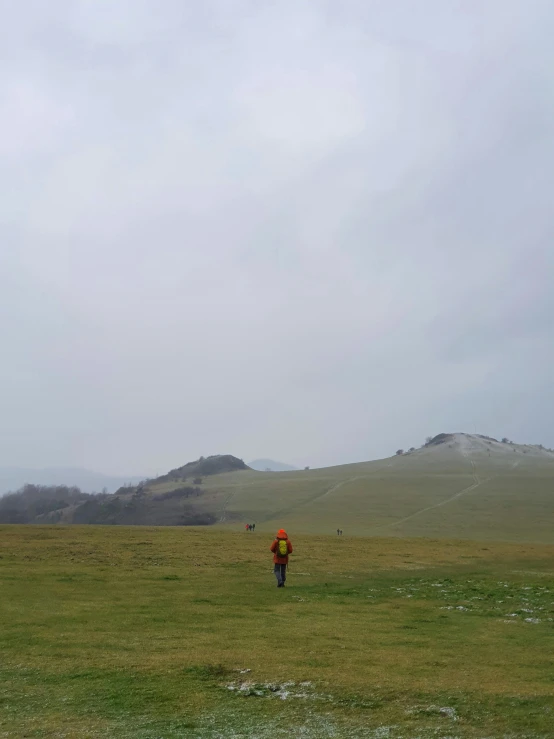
x: 160, y: 633
x: 446, y: 491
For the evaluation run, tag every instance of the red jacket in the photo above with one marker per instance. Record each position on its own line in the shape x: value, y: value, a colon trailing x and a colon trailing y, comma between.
x: 276, y: 558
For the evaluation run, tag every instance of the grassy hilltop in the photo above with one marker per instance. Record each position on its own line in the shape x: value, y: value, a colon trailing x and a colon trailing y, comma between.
x: 143, y: 633
x: 459, y: 485
x: 463, y: 486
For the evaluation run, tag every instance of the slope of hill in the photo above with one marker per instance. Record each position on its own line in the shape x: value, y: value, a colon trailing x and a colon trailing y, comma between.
x: 270, y: 465
x: 457, y: 486
x: 178, y: 498
x: 214, y: 465
x: 14, y: 478
x: 39, y: 503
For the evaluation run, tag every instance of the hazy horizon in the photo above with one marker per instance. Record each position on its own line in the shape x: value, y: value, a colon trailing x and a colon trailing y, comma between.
x: 314, y: 232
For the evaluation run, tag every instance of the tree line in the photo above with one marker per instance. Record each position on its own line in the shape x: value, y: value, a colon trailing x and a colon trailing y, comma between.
x: 32, y: 502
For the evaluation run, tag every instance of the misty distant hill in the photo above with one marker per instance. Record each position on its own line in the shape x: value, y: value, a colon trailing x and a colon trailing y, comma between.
x: 178, y: 498
x: 14, y: 478
x: 263, y: 465
x: 455, y: 486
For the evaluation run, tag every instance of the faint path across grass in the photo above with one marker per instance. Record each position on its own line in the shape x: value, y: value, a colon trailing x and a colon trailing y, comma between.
x: 226, y: 502
x: 477, y: 482
x: 325, y: 494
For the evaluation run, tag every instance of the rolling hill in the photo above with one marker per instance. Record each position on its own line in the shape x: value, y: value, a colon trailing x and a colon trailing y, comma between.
x: 459, y: 485
x: 270, y: 465
x: 13, y: 478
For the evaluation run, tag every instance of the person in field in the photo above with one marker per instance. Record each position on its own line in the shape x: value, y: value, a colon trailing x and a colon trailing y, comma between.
x: 281, y: 549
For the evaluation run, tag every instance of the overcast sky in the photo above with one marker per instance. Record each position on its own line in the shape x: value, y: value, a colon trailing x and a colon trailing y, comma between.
x: 314, y: 231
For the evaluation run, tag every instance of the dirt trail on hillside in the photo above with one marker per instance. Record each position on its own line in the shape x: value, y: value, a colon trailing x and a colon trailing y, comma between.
x: 338, y: 486
x: 477, y: 482
x: 341, y: 484
x: 459, y: 494
x: 223, y: 516
x: 309, y: 501
x: 319, y: 496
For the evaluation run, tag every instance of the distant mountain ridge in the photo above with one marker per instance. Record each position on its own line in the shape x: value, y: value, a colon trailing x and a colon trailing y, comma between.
x: 13, y: 478
x: 271, y: 465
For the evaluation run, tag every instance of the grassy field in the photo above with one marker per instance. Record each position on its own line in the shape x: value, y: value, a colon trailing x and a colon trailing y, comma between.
x: 470, y: 489
x: 161, y: 633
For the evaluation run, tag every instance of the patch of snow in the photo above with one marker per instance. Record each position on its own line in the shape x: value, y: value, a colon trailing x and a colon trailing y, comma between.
x: 283, y: 691
x: 449, y: 711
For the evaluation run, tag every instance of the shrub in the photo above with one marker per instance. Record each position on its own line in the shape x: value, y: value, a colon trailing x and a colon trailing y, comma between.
x: 33, y: 501
x: 200, y: 518
x: 185, y: 492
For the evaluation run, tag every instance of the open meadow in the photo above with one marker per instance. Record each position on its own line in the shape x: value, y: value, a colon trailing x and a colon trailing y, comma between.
x: 156, y: 633
x: 465, y: 487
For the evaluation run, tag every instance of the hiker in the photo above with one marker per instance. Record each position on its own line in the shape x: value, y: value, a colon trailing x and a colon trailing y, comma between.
x: 247, y: 527
x: 338, y: 532
x: 281, y: 549
x: 253, y: 527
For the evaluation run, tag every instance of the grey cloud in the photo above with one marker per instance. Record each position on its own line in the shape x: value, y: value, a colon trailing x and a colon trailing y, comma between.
x: 315, y: 232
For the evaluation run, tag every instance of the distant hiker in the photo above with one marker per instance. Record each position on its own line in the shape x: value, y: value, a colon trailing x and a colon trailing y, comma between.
x: 247, y: 527
x: 281, y: 549
x: 338, y: 532
x: 253, y: 527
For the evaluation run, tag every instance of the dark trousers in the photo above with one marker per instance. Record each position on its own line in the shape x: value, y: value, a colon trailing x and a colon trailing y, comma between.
x: 280, y: 574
